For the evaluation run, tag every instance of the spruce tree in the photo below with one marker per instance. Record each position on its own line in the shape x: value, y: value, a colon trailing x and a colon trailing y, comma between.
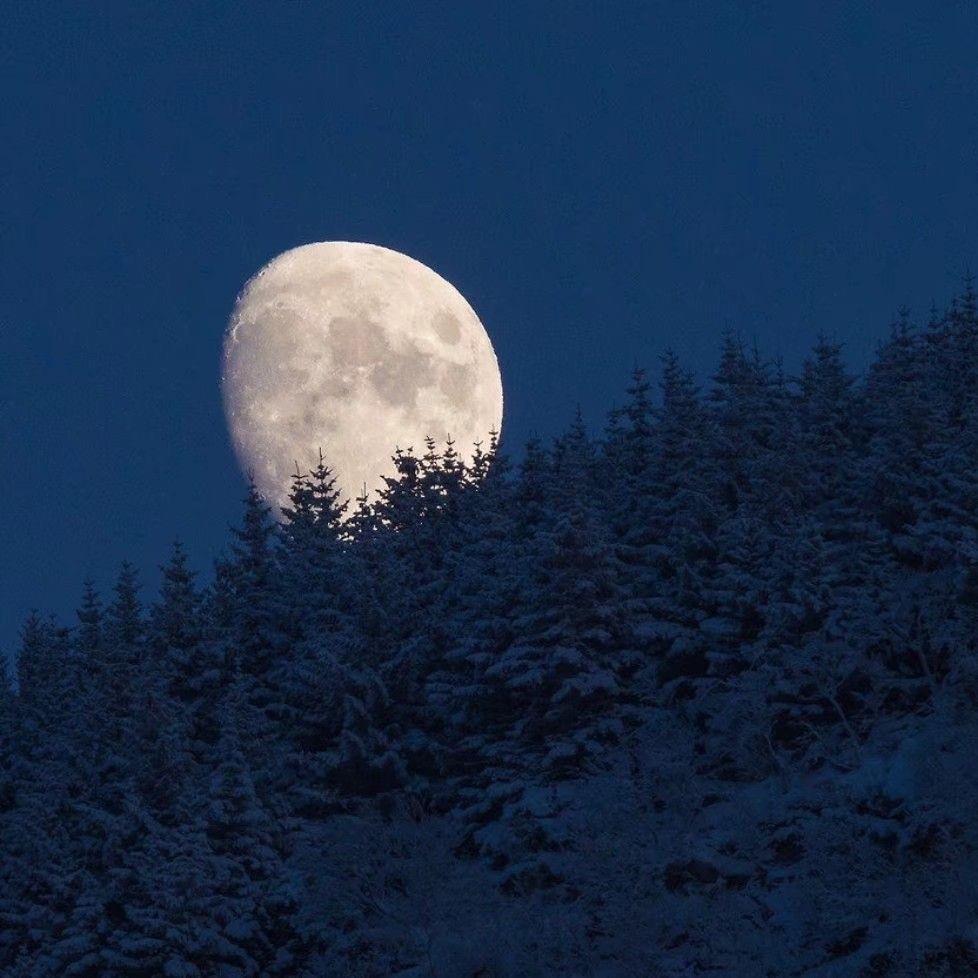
x: 253, y: 903
x: 124, y: 620
x: 88, y: 636
x: 552, y: 688
x: 686, y: 515
x: 259, y: 630
x: 901, y: 412
x: 316, y: 570
x: 632, y: 501
x: 828, y: 429
x: 8, y: 728
x: 122, y: 661
x: 483, y: 583
x: 188, y: 670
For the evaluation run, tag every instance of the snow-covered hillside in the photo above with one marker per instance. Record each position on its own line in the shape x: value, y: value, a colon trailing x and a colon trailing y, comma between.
x: 695, y: 696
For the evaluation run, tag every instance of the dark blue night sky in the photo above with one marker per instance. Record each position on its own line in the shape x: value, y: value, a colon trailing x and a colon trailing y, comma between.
x: 600, y: 184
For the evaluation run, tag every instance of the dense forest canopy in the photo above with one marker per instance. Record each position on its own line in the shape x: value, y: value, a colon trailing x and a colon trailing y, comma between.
x: 695, y: 695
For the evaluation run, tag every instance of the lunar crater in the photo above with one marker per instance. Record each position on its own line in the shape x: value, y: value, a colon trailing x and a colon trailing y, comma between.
x: 399, y: 376
x: 447, y: 327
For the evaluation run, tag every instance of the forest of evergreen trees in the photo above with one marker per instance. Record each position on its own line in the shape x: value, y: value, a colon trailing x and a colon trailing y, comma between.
x: 699, y: 695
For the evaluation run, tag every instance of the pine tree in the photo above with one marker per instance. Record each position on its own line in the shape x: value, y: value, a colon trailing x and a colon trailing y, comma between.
x: 777, y: 469
x: 88, y: 637
x: 950, y: 529
x: 314, y: 557
x: 259, y: 631
x: 902, y: 417
x: 175, y: 622
x: 371, y: 577
x: 828, y: 430
x: 115, y: 672
x: 632, y: 500
x: 186, y: 671
x: 37, y: 662
x: 152, y: 915
x: 483, y: 577
x: 401, y: 501
x: 124, y: 623
x: 8, y: 748
x: 686, y: 479
x: 551, y: 689
x: 418, y: 537
x: 363, y: 762
x: 54, y: 835
x: 122, y: 660
x: 532, y: 488
x: 750, y: 408
x: 961, y: 370
x: 253, y: 904
x: 317, y: 571
x: 731, y: 402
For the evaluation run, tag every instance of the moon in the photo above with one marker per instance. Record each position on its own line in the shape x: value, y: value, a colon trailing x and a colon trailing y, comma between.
x: 357, y: 350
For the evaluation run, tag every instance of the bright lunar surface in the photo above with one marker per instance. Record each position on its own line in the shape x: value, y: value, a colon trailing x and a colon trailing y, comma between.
x: 358, y: 350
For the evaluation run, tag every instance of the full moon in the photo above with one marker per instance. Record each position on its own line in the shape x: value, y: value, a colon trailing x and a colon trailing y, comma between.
x: 356, y: 350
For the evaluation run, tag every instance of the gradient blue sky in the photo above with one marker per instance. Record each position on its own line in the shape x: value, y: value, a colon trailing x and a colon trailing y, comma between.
x: 601, y: 181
